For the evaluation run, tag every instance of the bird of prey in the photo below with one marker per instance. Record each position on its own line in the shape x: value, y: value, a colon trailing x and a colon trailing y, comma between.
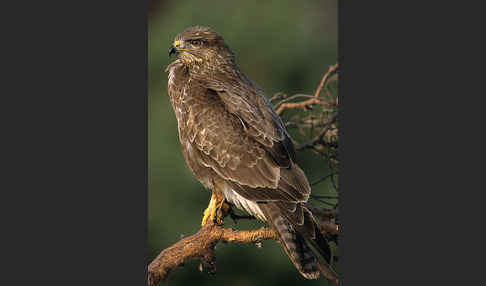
x: 237, y: 146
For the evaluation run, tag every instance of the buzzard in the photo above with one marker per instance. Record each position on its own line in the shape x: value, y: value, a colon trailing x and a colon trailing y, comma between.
x: 237, y: 146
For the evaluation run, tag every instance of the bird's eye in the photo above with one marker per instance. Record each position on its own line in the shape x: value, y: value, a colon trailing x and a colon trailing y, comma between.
x: 196, y: 43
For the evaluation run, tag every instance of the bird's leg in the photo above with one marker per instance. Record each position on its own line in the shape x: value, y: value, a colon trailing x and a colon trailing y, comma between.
x: 210, y: 211
x: 217, y: 209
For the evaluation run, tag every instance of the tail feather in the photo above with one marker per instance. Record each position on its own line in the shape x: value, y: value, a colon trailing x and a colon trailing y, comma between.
x: 303, y: 222
x: 315, y: 237
x: 293, y: 242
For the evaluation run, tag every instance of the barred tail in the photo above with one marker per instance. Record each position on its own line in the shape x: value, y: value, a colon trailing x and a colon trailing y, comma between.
x: 293, y: 242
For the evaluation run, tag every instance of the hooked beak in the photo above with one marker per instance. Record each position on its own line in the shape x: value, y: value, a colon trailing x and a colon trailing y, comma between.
x: 177, y: 46
x: 172, y: 50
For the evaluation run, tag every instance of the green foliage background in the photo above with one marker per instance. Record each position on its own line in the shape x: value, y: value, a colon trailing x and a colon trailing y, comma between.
x: 282, y: 45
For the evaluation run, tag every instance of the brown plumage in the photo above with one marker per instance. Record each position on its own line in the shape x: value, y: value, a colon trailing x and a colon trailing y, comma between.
x: 236, y: 145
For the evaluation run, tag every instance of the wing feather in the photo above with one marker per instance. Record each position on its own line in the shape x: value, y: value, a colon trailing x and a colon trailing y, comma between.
x: 244, y: 141
x: 222, y: 145
x: 261, y: 123
x: 245, y: 100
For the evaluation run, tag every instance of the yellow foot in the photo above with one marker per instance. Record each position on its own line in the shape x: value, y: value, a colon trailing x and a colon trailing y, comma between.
x: 216, y: 211
x: 210, y: 212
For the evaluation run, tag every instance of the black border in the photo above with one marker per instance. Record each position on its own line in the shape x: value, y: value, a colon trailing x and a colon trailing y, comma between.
x: 397, y: 190
x: 76, y: 74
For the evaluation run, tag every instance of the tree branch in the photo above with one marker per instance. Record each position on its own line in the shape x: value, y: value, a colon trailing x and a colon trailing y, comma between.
x: 201, y: 246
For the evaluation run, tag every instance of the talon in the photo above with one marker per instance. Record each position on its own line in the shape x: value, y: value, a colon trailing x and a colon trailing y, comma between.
x: 216, y: 210
x: 210, y: 212
x: 223, y: 209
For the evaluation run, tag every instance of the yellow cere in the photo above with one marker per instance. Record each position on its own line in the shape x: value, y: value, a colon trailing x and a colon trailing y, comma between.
x: 177, y: 44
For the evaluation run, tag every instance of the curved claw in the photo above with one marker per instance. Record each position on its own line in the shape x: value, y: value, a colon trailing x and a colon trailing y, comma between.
x: 216, y: 210
x: 210, y: 212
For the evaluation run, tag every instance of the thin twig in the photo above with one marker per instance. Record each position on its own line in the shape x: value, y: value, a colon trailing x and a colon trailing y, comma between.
x: 319, y: 136
x: 304, y: 104
x: 332, y: 70
x: 321, y: 179
x: 292, y: 98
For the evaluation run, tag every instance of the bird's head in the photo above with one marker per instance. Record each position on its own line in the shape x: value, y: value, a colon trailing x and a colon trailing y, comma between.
x: 199, y: 44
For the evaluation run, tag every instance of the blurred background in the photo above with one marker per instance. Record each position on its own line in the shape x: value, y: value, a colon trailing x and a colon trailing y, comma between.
x: 284, y: 46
